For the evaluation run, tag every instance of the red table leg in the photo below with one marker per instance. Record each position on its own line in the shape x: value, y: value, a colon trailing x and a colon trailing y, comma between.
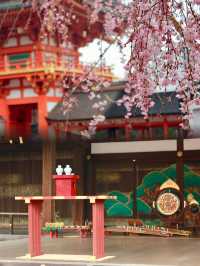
x: 98, y: 228
x: 34, y: 227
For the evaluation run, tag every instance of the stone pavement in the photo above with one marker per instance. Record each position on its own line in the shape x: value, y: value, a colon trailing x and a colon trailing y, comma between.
x: 129, y: 250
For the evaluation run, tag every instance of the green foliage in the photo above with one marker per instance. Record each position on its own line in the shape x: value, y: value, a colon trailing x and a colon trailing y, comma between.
x: 109, y: 203
x: 119, y: 209
x: 120, y: 196
x: 170, y: 172
x: 122, y: 207
x: 142, y: 207
x: 154, y: 178
x: 139, y: 192
x: 191, y: 180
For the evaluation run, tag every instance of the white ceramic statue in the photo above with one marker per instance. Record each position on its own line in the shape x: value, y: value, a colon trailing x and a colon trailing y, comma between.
x: 59, y: 170
x: 68, y: 169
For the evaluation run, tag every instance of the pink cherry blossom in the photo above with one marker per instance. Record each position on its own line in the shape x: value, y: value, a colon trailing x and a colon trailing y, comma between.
x: 164, y: 41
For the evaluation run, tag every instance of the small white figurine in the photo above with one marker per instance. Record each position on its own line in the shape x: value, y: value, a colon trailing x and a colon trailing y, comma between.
x: 59, y: 170
x: 68, y: 170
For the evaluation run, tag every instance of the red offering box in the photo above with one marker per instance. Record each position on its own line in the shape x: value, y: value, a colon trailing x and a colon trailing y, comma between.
x: 66, y: 185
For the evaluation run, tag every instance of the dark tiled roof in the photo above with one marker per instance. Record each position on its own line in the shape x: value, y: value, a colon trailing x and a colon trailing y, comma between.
x: 165, y: 103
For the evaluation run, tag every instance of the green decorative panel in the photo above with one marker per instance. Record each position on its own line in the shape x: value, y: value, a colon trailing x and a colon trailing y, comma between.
x: 146, y: 192
x: 123, y: 206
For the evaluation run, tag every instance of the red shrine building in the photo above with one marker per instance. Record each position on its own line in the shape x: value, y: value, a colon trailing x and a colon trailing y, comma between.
x: 31, y: 67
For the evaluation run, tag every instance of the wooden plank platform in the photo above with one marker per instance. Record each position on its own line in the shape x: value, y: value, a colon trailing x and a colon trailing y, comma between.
x: 142, y: 230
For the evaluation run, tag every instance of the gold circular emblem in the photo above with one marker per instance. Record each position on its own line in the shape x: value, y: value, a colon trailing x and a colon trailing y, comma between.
x: 168, y: 203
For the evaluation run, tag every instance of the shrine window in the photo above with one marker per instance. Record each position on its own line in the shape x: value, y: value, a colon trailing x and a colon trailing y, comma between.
x: 18, y: 60
x: 58, y: 92
x: 14, y: 94
x: 68, y: 60
x: 29, y: 93
x: 26, y: 83
x: 24, y: 40
x: 11, y: 42
x: 67, y: 45
x: 45, y: 41
x: 52, y: 42
x: 51, y: 92
x: 14, y: 83
x: 49, y: 58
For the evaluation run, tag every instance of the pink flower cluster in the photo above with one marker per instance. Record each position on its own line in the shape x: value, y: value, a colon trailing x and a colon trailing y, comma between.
x: 164, y: 38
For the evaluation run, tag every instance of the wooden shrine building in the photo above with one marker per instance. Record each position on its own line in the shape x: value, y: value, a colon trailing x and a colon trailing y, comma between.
x: 32, y: 66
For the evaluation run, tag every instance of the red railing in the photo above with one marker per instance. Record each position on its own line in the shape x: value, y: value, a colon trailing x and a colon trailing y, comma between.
x: 45, y: 65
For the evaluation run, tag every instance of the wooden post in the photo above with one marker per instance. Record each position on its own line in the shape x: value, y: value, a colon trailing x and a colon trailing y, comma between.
x: 98, y: 228
x: 34, y: 227
x: 48, y: 166
x: 180, y: 165
x: 78, y: 168
x: 135, y: 183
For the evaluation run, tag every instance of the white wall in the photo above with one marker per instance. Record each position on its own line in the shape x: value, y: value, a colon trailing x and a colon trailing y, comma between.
x: 142, y: 146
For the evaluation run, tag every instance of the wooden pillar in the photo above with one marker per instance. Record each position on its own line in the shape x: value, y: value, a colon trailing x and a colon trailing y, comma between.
x: 34, y: 227
x: 48, y: 167
x: 180, y: 165
x: 98, y: 228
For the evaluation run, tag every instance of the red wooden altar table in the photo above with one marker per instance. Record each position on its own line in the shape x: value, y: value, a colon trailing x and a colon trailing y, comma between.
x: 34, y: 221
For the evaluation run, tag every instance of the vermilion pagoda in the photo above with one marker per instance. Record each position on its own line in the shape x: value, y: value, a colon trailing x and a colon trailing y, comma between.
x: 31, y: 66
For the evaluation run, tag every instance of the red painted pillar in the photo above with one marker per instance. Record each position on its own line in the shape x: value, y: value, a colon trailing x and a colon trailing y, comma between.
x: 34, y: 227
x: 98, y: 228
x: 42, y: 114
x: 165, y: 128
x: 4, y: 113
